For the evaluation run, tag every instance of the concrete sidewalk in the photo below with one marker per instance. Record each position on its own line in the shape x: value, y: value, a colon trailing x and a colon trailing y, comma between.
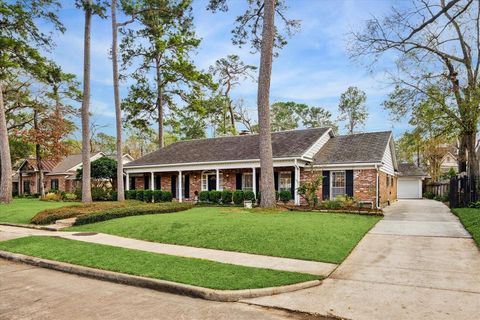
x: 417, y: 263
x: 244, y: 259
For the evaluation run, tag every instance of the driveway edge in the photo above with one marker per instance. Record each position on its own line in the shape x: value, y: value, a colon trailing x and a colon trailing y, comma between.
x: 28, y: 226
x: 155, y: 284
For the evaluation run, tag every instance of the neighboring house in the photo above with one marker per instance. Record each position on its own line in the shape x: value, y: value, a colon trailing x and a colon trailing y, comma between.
x: 361, y: 165
x: 410, y: 181
x: 58, y: 175
x: 449, y: 161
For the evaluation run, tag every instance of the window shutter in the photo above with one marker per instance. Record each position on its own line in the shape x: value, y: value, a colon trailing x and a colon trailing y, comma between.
x: 275, y: 178
x: 349, y: 183
x: 257, y: 181
x: 238, y: 181
x: 326, y: 185
x: 174, y: 186
x: 158, y: 183
x: 292, y: 185
x: 186, y: 187
x: 146, y: 185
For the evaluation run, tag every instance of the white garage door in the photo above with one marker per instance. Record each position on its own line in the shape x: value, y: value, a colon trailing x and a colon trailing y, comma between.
x: 409, y: 188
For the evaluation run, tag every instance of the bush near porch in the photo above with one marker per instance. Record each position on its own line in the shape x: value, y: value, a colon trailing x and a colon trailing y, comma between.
x: 300, y: 235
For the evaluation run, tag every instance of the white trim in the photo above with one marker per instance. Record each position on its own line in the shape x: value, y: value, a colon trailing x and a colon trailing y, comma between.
x: 217, y: 179
x: 254, y: 181
x: 296, y: 196
x: 152, y: 181
x: 317, y: 145
x: 331, y: 182
x: 127, y: 187
x: 179, y: 182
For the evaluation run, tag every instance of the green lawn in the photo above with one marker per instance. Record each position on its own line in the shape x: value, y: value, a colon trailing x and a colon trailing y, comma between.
x: 301, y: 235
x: 22, y: 210
x: 470, y: 218
x: 196, y: 272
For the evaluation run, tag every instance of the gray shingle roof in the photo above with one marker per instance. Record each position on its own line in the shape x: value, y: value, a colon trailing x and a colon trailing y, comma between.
x: 354, y: 148
x: 68, y: 163
x: 410, y: 170
x: 244, y: 147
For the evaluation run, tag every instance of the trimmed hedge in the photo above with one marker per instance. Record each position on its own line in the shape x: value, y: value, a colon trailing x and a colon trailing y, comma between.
x: 203, y: 196
x: 249, y: 195
x: 227, y: 197
x: 140, y: 195
x: 285, y: 196
x: 157, y: 195
x: 131, y: 194
x: 148, y: 195
x: 51, y: 215
x: 132, y: 211
x: 238, y: 197
x: 215, y: 196
x: 167, y: 196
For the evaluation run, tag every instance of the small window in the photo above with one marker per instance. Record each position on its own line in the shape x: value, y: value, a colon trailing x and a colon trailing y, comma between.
x: 247, y: 182
x: 285, y: 181
x: 338, y: 183
x: 54, y: 184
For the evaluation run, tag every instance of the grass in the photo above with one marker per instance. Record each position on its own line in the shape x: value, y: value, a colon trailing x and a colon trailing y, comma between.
x: 470, y: 218
x: 22, y: 210
x: 300, y: 235
x: 203, y: 273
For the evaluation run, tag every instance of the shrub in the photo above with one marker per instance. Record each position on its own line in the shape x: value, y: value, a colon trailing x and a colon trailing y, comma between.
x: 139, y: 195
x: 308, y: 190
x: 345, y: 201
x: 249, y: 195
x: 332, y: 204
x: 285, y: 196
x: 167, y: 196
x: 68, y: 196
x: 215, y: 196
x: 147, y: 195
x: 78, y: 193
x: 132, y: 211
x: 443, y: 198
x: 157, y: 195
x: 52, y: 196
x: 203, y: 196
x: 238, y: 197
x: 227, y: 196
x: 429, y: 195
x: 51, y: 215
x: 131, y: 194
x: 114, y: 196
x: 100, y: 194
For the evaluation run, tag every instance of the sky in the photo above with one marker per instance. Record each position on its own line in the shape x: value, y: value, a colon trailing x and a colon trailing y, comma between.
x: 313, y: 68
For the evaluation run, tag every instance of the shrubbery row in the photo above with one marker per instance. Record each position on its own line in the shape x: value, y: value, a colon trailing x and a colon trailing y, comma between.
x: 132, y: 211
x: 149, y: 195
x: 237, y: 197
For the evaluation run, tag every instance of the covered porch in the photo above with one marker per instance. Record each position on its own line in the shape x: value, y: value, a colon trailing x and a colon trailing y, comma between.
x: 186, y: 183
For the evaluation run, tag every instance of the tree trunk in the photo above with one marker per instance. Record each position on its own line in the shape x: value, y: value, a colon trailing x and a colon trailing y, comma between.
x: 159, y: 102
x: 5, y: 160
x: 118, y: 110
x: 41, y: 187
x: 473, y: 165
x: 86, y: 183
x: 462, y: 155
x: 267, y: 187
x: 230, y: 108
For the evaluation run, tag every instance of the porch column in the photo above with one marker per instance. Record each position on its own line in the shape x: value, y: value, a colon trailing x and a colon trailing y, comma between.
x: 180, y: 195
x: 127, y: 181
x: 20, y: 183
x: 296, y: 196
x: 152, y: 181
x: 218, y: 180
x: 254, y: 180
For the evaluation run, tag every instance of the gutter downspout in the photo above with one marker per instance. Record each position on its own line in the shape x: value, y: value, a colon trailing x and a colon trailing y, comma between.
x: 377, y: 195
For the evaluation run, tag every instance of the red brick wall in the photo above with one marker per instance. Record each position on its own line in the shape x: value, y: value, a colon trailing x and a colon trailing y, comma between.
x: 308, y: 175
x: 388, y: 194
x: 364, y: 185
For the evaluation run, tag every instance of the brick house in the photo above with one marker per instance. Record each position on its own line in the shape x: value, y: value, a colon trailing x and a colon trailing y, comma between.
x: 362, y: 166
x: 58, y: 175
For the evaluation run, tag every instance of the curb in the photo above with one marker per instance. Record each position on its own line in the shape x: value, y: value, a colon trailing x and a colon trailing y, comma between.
x: 155, y: 284
x: 28, y: 226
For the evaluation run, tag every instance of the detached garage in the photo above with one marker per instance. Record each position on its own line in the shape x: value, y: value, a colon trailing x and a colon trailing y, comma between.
x: 410, y: 178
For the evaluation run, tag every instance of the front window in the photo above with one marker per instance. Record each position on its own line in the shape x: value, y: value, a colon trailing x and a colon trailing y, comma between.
x: 211, y: 177
x: 285, y: 181
x: 247, y: 183
x: 338, y: 183
x: 54, y: 184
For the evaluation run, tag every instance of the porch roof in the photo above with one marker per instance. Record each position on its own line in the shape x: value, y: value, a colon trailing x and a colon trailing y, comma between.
x: 285, y: 144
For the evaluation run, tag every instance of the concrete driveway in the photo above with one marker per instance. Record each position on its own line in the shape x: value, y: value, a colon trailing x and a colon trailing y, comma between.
x: 417, y: 263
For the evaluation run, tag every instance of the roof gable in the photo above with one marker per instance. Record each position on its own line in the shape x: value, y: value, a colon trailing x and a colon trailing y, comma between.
x: 354, y: 148
x: 285, y: 144
x: 71, y: 162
